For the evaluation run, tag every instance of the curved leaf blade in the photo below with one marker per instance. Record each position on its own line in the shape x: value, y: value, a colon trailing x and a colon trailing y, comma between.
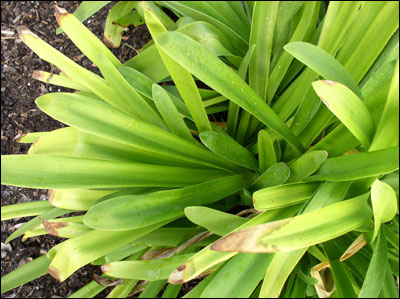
x: 213, y: 72
x: 348, y: 107
x: 134, y: 211
x: 226, y: 147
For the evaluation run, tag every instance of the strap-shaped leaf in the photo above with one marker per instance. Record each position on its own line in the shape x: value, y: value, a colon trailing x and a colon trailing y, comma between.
x: 100, y: 119
x: 76, y: 143
x: 150, y: 270
x: 226, y: 147
x: 48, y: 171
x: 322, y: 63
x: 83, y: 38
x: 85, y: 10
x: 276, y: 175
x: 27, y: 272
x: 128, y: 212
x: 207, y: 258
x: 300, y: 231
x: 81, y: 250
x: 306, y: 165
x: 375, y: 276
x: 384, y: 204
x: 261, y: 35
x: 170, y: 114
x: 231, y: 283
x: 266, y: 151
x: 131, y: 98
x: 24, y: 209
x: 217, y: 222
x: 387, y: 132
x: 348, y: 107
x: 209, y: 69
x: 49, y: 214
x: 283, y: 195
x: 181, y: 77
x: 357, y: 166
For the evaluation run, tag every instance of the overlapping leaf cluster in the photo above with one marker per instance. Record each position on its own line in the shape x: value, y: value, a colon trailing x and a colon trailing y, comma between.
x: 307, y: 157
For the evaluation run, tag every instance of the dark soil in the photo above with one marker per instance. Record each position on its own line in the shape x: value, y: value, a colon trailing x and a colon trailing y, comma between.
x: 20, y: 115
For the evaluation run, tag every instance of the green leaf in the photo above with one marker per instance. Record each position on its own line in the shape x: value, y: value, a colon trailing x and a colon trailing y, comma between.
x: 261, y: 35
x: 81, y: 250
x: 150, y: 270
x: 375, y: 276
x: 144, y: 85
x: 350, y: 110
x: 226, y: 147
x: 217, y: 222
x: 181, y: 77
x: 152, y: 289
x: 387, y: 132
x: 132, y: 100
x: 127, y: 212
x: 266, y: 151
x: 24, y: 209
x: 49, y: 214
x: 207, y: 258
x: 76, y: 199
x: 27, y: 272
x: 306, y: 165
x: 238, y: 277
x: 170, y: 114
x: 357, y: 166
x: 85, y: 10
x: 233, y: 110
x: 83, y: 38
x: 276, y: 175
x: 48, y: 171
x: 384, y: 204
x: 300, y: 231
x: 283, y: 195
x: 322, y: 63
x: 100, y: 119
x: 213, y: 72
x: 172, y: 291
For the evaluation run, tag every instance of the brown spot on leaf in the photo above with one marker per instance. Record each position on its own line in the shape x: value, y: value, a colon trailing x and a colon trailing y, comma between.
x: 182, y: 267
x: 51, y: 227
x: 248, y: 240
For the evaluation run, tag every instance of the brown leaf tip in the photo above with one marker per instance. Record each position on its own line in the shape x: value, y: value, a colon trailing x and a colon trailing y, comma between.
x: 105, y: 268
x: 54, y: 272
x: 37, y: 75
x: 23, y: 31
x: 59, y: 13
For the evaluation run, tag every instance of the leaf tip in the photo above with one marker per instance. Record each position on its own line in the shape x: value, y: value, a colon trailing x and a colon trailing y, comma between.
x: 54, y: 272
x: 105, y: 268
x: 60, y: 12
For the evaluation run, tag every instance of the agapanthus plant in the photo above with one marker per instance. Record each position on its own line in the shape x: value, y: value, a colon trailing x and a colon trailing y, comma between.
x: 295, y: 194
